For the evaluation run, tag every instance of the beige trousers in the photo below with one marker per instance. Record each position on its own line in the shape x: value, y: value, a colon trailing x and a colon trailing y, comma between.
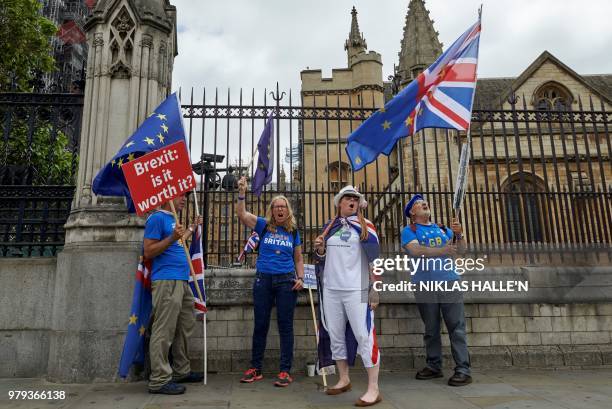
x: 173, y: 322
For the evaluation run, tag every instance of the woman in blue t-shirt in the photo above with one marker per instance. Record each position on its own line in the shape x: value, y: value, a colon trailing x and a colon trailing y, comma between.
x: 280, y: 274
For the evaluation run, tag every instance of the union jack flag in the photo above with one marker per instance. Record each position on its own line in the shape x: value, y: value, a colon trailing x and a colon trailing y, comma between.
x: 195, y: 251
x: 446, y: 88
x: 440, y: 97
x: 250, y: 245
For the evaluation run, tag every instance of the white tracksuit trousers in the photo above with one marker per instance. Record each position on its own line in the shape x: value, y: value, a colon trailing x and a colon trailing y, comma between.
x: 342, y: 306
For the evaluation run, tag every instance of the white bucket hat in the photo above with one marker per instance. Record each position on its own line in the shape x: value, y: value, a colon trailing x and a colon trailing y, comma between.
x: 350, y: 190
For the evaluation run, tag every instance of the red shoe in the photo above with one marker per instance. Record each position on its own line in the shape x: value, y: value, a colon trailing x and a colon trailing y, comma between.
x: 283, y: 379
x: 251, y: 375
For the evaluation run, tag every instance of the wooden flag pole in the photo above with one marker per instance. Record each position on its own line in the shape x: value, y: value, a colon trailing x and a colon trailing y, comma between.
x: 205, y: 358
x: 314, y: 316
x: 252, y: 159
x: 314, y: 320
x: 329, y: 226
x: 186, y: 252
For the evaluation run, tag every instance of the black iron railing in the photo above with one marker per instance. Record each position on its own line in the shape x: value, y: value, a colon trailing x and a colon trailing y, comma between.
x: 32, y: 219
x: 39, y: 141
x: 538, y: 180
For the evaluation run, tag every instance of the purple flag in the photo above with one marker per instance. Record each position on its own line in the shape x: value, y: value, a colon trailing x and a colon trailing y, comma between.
x: 265, y: 161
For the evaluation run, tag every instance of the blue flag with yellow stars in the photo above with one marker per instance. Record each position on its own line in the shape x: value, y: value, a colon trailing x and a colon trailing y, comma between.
x: 163, y: 127
x: 138, y: 321
x: 439, y: 97
x: 265, y: 159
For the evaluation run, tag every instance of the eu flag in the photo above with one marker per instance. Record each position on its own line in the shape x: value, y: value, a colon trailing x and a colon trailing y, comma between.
x: 265, y: 159
x: 140, y: 313
x: 440, y: 97
x: 163, y: 127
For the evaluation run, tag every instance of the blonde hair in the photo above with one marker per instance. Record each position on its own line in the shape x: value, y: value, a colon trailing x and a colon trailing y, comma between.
x: 364, y: 227
x: 290, y: 224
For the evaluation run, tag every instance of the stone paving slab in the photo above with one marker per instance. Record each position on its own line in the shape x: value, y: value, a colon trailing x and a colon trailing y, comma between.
x: 492, y: 389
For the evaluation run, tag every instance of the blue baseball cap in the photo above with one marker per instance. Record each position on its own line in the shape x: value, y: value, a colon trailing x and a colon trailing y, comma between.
x: 411, y: 203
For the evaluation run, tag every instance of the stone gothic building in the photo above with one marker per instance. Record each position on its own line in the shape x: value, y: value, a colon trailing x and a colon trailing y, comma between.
x: 535, y: 157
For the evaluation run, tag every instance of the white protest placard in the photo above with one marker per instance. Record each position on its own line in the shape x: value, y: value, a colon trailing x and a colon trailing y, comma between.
x: 310, y: 278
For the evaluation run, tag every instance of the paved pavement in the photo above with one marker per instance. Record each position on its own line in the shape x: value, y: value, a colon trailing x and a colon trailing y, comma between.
x: 511, y: 389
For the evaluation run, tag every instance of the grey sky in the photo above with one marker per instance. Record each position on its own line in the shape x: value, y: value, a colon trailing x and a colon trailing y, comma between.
x: 254, y: 43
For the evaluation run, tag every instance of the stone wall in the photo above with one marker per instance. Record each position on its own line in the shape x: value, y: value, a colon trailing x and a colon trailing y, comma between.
x: 26, y: 300
x: 551, y: 326
x: 499, y: 335
x: 518, y: 332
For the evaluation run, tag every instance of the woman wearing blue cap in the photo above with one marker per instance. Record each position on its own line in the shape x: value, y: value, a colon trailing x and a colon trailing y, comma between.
x: 345, y: 250
x: 437, y: 244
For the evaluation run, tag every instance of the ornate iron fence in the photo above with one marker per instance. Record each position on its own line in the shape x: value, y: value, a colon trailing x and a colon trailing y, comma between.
x: 539, y: 180
x: 39, y: 150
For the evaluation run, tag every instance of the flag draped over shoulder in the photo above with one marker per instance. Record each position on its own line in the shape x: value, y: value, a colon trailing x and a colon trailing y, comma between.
x: 371, y: 247
x: 133, y: 347
x: 440, y: 97
x: 162, y: 128
x: 265, y: 159
x: 195, y: 251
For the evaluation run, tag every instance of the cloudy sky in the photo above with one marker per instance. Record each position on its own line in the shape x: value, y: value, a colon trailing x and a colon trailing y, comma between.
x: 254, y: 43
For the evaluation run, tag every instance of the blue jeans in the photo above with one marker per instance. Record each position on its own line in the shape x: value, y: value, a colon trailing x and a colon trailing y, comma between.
x: 450, y: 305
x: 270, y: 290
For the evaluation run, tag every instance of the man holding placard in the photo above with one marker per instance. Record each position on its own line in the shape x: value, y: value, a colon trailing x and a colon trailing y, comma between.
x: 173, y: 318
x: 164, y: 177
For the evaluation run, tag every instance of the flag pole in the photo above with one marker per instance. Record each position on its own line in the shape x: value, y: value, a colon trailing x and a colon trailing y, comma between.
x: 191, y: 270
x: 314, y: 316
x: 461, y: 189
x: 205, y: 358
x: 252, y: 159
x: 314, y: 320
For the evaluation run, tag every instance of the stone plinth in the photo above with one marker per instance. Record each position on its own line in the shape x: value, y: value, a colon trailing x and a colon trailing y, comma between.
x: 132, y: 47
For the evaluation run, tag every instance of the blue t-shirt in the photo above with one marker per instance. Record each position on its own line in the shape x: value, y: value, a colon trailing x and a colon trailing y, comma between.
x: 275, y: 249
x: 172, y: 263
x: 431, y: 236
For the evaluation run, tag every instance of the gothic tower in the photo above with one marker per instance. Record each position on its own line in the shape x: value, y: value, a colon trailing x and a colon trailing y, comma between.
x: 355, y: 44
x: 420, y: 45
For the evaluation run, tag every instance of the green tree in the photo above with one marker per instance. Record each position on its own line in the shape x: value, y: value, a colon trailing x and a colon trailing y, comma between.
x: 47, y: 158
x: 25, y: 46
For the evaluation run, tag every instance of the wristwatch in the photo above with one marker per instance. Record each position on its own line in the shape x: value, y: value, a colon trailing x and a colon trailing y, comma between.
x: 459, y: 236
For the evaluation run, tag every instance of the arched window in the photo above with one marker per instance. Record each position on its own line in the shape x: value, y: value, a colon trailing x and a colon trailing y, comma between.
x: 552, y: 96
x: 338, y: 175
x: 524, y: 208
